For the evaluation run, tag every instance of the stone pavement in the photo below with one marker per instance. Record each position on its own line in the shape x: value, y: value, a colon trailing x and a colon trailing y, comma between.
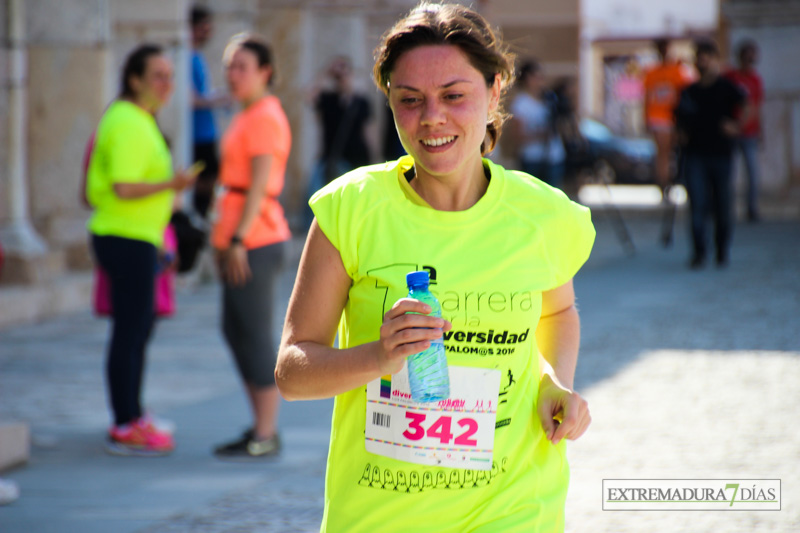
x: 688, y: 375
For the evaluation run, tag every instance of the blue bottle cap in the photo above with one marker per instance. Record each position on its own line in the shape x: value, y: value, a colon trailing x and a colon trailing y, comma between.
x: 420, y: 277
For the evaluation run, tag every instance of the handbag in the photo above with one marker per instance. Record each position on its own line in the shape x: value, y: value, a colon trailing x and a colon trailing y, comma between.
x: 164, y: 285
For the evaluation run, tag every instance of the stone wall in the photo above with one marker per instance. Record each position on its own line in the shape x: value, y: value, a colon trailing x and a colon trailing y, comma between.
x: 70, y: 52
x: 67, y: 47
x: 63, y: 66
x: 5, y: 81
x: 775, y: 27
x: 304, y: 36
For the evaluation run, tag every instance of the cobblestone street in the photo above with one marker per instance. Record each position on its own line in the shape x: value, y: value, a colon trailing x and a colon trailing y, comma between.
x: 688, y: 375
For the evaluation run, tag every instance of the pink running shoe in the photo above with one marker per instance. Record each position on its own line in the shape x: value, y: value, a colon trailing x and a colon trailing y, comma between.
x: 139, y: 438
x: 161, y: 424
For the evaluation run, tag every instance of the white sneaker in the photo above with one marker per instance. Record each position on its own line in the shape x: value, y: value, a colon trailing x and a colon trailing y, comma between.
x: 9, y: 491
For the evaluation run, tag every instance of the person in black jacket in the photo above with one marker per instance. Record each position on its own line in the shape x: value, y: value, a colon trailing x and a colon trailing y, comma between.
x: 707, y: 128
x: 344, y: 115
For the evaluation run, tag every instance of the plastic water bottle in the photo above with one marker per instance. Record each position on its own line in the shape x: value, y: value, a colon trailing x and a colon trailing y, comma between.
x: 427, y: 370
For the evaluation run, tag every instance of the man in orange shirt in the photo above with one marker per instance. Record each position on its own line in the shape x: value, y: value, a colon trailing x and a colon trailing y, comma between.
x: 662, y: 86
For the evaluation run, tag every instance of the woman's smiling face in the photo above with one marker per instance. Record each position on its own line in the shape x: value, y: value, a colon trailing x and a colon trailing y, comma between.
x: 441, y: 106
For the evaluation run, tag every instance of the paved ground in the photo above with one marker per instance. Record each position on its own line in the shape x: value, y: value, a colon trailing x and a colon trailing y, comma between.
x: 688, y: 374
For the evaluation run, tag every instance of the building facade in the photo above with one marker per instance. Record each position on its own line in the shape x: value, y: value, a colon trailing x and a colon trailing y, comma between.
x: 775, y: 27
x: 59, y: 68
x: 60, y: 61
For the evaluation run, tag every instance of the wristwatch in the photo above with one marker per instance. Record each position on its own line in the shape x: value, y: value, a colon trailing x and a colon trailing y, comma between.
x: 236, y: 240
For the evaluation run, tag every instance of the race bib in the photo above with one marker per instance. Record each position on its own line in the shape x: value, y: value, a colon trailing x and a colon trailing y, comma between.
x: 457, y: 432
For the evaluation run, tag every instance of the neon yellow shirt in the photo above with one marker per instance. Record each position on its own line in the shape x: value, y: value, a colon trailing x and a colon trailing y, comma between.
x: 490, y: 265
x: 129, y: 148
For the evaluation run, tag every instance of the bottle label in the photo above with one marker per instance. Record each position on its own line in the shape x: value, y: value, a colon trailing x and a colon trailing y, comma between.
x: 457, y: 432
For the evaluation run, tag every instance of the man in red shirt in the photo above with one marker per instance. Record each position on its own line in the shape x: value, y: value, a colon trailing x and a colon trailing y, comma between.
x: 750, y: 82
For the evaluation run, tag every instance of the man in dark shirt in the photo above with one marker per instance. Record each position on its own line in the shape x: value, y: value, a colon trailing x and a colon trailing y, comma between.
x: 707, y: 128
x: 344, y: 115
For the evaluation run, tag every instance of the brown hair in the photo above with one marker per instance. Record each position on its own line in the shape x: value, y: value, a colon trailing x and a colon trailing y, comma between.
x: 706, y: 46
x: 450, y: 24
x: 255, y: 45
x: 745, y: 46
x: 136, y: 65
x: 199, y: 14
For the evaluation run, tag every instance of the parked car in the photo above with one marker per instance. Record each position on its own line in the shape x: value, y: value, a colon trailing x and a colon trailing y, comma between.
x: 618, y: 159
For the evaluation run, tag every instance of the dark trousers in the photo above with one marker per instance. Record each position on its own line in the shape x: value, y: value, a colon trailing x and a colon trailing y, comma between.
x: 131, y: 266
x: 203, y: 195
x: 710, y: 186
x: 749, y: 148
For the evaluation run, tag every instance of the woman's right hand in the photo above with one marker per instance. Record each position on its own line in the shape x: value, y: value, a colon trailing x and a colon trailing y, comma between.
x: 406, y: 330
x: 183, y: 179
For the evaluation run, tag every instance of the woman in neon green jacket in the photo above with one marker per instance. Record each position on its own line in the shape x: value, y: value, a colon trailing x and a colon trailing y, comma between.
x: 502, y: 247
x: 131, y: 187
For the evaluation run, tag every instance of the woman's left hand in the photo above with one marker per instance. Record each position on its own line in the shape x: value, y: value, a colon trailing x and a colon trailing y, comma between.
x: 234, y: 267
x: 563, y: 412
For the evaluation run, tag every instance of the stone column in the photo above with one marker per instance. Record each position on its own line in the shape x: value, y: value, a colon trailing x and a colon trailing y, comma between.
x: 291, y: 35
x: 68, y: 49
x: 775, y: 27
x: 229, y: 18
x: 305, y: 39
x: 22, y: 245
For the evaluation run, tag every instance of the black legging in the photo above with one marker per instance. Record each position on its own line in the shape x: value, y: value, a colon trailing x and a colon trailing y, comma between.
x: 131, y: 267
